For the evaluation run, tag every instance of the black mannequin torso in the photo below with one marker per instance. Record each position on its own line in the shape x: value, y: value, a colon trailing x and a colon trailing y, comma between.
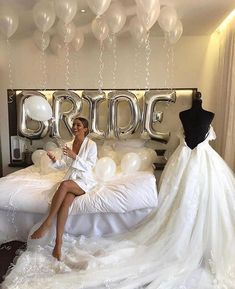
x: 196, y: 123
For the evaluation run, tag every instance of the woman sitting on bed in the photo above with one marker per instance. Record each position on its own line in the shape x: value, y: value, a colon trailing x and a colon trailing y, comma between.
x: 78, y: 180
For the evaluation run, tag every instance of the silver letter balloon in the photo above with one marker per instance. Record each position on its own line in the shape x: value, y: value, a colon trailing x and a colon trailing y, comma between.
x: 124, y: 115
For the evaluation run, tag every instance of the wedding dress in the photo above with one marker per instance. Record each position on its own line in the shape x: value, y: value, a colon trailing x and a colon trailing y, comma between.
x: 187, y: 243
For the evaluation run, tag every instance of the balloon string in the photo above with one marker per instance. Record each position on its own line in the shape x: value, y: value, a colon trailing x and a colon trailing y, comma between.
x: 10, y: 78
x: 114, y: 44
x: 167, y: 48
x: 57, y: 63
x: 137, y: 64
x: 43, y: 63
x: 147, y: 61
x: 67, y: 63
x: 148, y: 21
x: 168, y: 85
x: 172, y: 65
x: 101, y: 66
x: 76, y: 65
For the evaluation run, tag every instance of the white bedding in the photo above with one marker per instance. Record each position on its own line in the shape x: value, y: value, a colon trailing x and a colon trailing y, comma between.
x: 28, y: 191
x: 112, y: 207
x: 17, y: 225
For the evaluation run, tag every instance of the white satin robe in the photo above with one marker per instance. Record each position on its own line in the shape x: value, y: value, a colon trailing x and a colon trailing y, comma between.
x: 80, y: 169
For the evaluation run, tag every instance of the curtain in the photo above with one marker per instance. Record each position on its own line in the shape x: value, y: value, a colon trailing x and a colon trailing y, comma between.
x: 225, y: 96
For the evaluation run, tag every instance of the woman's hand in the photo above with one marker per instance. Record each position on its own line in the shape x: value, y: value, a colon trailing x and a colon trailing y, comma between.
x: 51, y: 156
x: 68, y: 152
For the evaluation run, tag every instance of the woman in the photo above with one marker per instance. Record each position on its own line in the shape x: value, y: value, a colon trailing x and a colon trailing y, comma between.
x: 77, y: 181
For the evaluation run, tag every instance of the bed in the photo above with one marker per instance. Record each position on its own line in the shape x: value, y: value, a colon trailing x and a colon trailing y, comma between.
x: 112, y: 207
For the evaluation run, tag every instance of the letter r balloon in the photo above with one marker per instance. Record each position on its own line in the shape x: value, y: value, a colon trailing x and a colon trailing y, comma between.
x: 66, y: 117
x: 94, y: 98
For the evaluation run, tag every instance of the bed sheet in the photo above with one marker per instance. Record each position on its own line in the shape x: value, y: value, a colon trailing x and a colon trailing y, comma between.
x: 29, y: 191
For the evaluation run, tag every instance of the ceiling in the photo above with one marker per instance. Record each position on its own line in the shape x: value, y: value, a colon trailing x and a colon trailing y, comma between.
x: 199, y: 17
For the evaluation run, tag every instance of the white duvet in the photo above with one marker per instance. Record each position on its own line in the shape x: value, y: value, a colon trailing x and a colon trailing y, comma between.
x: 29, y: 191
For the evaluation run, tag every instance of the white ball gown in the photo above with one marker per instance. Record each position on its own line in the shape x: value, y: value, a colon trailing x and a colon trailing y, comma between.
x: 188, y: 243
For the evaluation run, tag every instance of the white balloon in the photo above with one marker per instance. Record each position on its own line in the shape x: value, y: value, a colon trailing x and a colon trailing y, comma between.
x: 9, y: 21
x: 148, y: 5
x: 146, y: 159
x: 115, y: 17
x: 148, y: 19
x: 98, y: 6
x: 45, y: 165
x: 168, y: 18
x: 38, y: 108
x: 114, y: 156
x: 104, y: 150
x: 174, y: 35
x: 44, y: 15
x: 41, y: 39
x: 36, y: 157
x: 66, y: 10
x: 137, y: 30
x: 105, y: 169
x: 153, y: 155
x: 78, y: 40
x: 56, y: 44
x: 58, y: 153
x: 66, y: 31
x: 109, y: 42
x: 130, y: 163
x: 100, y: 29
x: 107, y: 151
x: 49, y: 146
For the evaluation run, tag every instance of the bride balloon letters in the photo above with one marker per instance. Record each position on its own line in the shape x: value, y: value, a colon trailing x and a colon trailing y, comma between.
x: 141, y: 114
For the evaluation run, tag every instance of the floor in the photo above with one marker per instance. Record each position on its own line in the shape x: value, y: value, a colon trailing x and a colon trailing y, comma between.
x: 8, y: 252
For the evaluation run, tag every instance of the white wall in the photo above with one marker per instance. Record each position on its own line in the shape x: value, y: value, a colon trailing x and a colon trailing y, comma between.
x: 189, y: 60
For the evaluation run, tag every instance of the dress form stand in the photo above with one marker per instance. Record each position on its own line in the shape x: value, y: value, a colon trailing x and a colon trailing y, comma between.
x: 196, y: 122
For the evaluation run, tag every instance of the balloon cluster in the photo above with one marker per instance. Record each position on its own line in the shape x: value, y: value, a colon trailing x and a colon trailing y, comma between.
x: 110, y: 19
x: 131, y: 161
x: 128, y: 161
x: 148, y: 13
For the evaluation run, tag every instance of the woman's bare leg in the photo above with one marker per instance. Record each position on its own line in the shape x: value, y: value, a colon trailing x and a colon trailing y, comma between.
x: 61, y: 220
x: 64, y: 188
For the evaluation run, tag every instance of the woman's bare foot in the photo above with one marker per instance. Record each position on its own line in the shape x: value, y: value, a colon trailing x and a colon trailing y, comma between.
x: 57, y: 252
x: 41, y: 231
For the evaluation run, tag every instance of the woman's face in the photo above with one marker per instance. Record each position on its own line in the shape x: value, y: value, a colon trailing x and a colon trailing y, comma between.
x: 78, y: 128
